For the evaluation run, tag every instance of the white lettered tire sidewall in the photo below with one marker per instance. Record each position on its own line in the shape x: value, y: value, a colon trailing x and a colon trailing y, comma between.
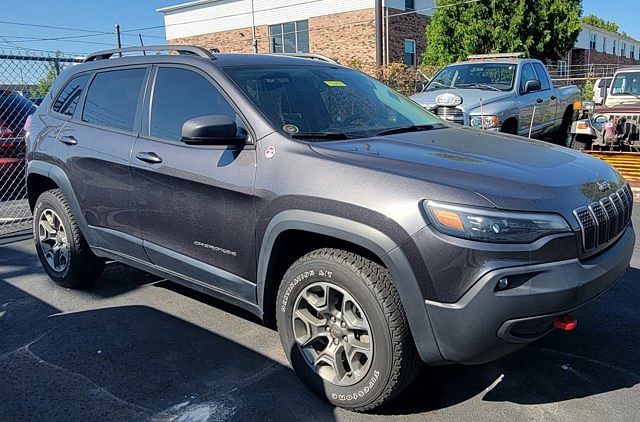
x: 373, y: 384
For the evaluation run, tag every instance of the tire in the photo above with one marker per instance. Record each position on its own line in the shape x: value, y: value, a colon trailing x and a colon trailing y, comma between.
x: 577, y: 144
x: 563, y: 135
x: 75, y: 266
x: 510, y: 127
x: 365, y: 286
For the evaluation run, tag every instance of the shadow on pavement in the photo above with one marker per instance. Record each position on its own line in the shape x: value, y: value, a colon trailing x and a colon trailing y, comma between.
x: 134, y: 363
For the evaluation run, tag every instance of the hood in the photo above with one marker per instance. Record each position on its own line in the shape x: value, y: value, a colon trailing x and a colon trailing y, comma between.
x: 511, y: 172
x: 470, y: 97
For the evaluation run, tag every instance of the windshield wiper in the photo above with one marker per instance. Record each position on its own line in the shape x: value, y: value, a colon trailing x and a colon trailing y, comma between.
x: 404, y: 129
x: 333, y: 136
x: 481, y: 86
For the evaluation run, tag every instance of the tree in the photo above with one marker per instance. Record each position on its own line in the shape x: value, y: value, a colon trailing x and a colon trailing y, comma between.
x: 593, y: 20
x: 42, y: 87
x: 543, y: 29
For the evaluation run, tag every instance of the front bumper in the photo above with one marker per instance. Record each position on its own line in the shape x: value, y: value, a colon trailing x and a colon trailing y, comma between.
x: 486, y: 323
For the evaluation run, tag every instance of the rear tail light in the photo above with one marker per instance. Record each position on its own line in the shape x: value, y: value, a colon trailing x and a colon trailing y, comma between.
x: 27, y: 124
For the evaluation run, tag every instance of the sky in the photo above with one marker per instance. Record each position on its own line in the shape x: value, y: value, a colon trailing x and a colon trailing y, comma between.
x: 102, y: 15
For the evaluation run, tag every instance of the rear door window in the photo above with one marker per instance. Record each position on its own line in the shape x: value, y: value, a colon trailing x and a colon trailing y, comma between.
x: 67, y: 100
x: 542, y: 76
x: 528, y: 74
x: 180, y: 95
x: 112, y: 99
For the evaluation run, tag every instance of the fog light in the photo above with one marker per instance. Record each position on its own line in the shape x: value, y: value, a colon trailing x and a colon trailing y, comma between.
x: 503, y: 283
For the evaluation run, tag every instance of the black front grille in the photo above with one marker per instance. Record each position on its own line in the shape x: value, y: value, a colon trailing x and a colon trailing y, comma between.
x: 601, y: 222
x: 450, y: 114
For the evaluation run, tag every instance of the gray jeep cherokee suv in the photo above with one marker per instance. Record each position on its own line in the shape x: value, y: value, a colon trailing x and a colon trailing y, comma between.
x: 374, y: 234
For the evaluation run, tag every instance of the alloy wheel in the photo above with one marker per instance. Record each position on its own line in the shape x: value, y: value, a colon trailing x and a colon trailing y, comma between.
x: 53, y: 240
x: 333, y: 333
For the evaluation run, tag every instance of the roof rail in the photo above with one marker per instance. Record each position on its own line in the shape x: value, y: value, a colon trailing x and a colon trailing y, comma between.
x: 496, y: 56
x: 311, y: 56
x: 180, y: 49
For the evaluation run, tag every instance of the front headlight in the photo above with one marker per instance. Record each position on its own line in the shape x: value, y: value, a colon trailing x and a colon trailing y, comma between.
x: 484, y: 122
x: 599, y: 121
x: 492, y: 225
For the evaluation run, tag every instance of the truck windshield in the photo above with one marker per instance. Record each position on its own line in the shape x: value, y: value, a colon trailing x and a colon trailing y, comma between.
x: 328, y: 103
x: 627, y: 83
x: 488, y: 76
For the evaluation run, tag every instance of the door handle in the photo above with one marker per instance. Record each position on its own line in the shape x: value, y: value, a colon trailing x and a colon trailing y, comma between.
x: 68, y: 140
x: 149, y: 157
x: 539, y: 100
x: 553, y: 97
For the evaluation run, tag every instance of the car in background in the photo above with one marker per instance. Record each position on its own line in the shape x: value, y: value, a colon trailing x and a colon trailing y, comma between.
x: 501, y: 92
x: 14, y: 110
x: 600, y: 88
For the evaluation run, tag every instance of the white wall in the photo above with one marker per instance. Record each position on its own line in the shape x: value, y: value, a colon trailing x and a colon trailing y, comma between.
x: 204, y: 17
x: 224, y: 15
x: 587, y: 31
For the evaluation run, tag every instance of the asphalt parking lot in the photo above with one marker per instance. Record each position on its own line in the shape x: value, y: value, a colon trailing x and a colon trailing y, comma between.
x: 138, y: 348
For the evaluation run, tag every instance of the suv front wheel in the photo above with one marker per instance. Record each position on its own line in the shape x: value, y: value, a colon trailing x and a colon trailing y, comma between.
x: 344, y: 330
x: 63, y: 251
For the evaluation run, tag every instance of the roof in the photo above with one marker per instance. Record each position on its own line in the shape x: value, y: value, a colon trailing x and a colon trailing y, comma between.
x: 610, y: 33
x: 184, y: 5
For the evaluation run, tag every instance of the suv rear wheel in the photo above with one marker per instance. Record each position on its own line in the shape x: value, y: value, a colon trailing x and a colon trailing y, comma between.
x: 62, y: 250
x: 344, y: 330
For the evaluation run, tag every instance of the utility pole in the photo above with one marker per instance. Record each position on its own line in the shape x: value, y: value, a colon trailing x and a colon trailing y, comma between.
x: 254, y: 41
x: 118, y: 43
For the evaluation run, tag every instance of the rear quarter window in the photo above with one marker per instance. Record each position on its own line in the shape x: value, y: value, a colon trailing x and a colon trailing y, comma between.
x: 112, y: 99
x: 67, y: 100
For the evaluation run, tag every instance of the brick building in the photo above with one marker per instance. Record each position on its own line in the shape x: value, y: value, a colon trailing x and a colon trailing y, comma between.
x: 602, y: 50
x: 369, y: 32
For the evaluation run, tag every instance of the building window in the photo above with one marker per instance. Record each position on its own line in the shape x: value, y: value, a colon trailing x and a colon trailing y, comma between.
x: 614, y: 47
x: 562, y: 67
x: 604, y: 44
x: 410, y: 52
x: 632, y: 51
x: 592, y: 41
x: 290, y: 37
x: 623, y: 48
x: 409, y: 4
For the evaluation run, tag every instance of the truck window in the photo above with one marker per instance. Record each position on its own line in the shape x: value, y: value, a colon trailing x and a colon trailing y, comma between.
x: 528, y: 74
x: 542, y: 76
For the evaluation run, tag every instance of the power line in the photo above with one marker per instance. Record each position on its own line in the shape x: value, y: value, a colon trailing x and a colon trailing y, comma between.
x: 30, y: 39
x: 63, y: 28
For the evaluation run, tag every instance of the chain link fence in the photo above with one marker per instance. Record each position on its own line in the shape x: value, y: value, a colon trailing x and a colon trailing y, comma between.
x: 25, y: 78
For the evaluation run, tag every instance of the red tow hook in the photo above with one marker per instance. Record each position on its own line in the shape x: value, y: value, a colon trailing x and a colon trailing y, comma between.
x: 566, y: 322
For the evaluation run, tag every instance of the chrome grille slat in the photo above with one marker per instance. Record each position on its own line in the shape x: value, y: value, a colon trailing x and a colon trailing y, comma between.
x: 601, y: 222
x: 450, y: 114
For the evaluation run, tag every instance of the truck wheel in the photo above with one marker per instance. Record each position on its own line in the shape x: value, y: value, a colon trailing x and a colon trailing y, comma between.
x: 344, y: 330
x: 63, y: 252
x: 563, y: 136
x: 577, y: 143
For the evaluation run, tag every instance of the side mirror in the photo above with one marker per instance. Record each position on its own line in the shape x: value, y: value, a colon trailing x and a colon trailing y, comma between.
x: 211, y: 130
x: 532, y: 85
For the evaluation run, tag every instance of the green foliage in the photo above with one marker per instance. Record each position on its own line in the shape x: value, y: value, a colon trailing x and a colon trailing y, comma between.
x: 586, y: 92
x: 543, y: 29
x: 593, y: 20
x: 43, y: 86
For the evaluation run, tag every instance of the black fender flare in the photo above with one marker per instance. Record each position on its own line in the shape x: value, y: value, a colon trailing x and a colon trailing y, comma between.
x: 371, y: 239
x: 59, y: 177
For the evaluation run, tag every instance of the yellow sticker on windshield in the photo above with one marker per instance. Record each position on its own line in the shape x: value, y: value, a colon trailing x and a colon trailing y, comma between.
x: 335, y: 84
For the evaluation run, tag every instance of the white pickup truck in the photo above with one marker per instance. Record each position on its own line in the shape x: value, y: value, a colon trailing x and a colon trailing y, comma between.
x: 501, y: 92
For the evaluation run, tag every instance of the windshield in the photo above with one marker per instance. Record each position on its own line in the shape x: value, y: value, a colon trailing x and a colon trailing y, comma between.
x: 627, y: 83
x: 319, y: 100
x: 488, y: 76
